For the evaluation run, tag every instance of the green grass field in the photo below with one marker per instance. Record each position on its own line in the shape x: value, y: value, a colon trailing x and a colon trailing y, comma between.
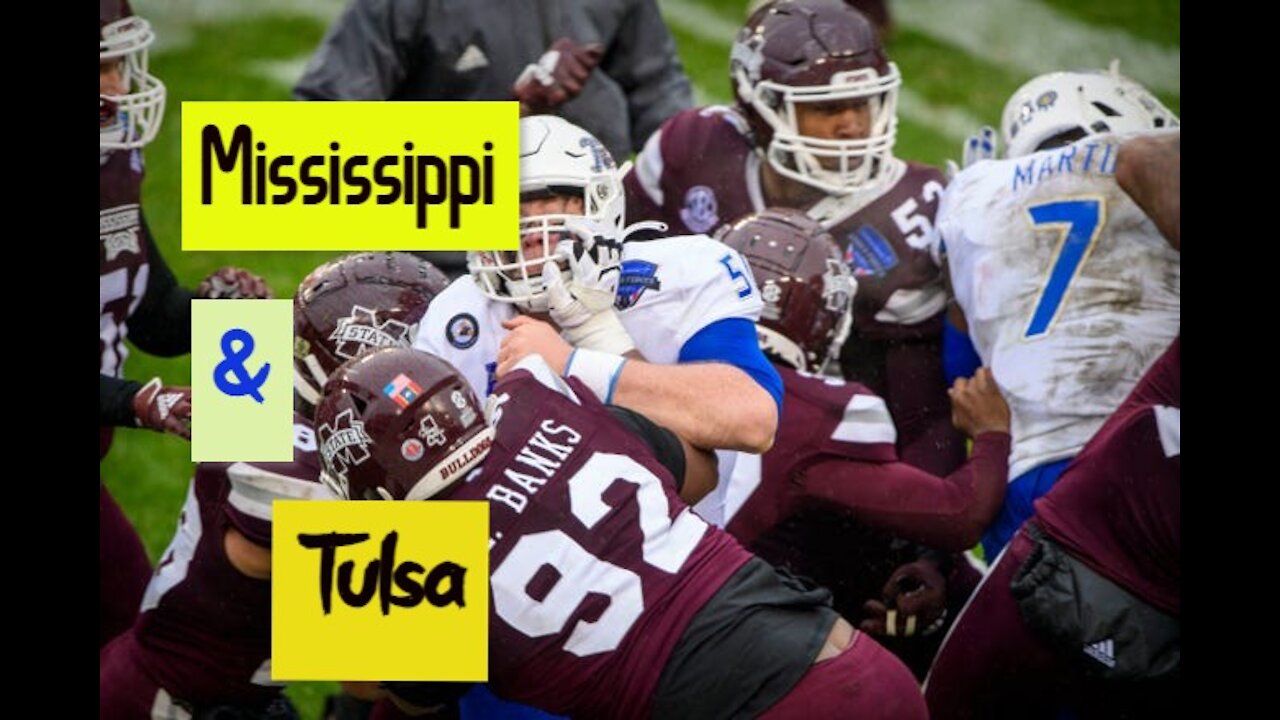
x: 960, y: 60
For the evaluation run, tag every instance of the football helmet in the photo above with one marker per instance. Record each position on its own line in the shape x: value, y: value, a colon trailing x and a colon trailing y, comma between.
x: 806, y: 286
x: 815, y: 51
x: 398, y: 424
x: 1089, y: 102
x: 357, y: 303
x: 131, y: 118
x: 557, y: 158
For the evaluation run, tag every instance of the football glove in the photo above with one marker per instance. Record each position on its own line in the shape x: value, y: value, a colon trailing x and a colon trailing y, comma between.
x: 914, y: 603
x: 557, y: 76
x: 233, y: 283
x: 583, y: 307
x: 163, y: 408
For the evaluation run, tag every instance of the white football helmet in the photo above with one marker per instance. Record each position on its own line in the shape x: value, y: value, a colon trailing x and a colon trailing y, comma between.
x: 557, y: 158
x: 1091, y: 101
x: 132, y: 118
x: 816, y: 51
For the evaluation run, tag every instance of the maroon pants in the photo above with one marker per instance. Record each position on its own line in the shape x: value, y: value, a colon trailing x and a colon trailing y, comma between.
x: 123, y: 569
x: 125, y: 691
x: 865, y: 681
x: 991, y: 665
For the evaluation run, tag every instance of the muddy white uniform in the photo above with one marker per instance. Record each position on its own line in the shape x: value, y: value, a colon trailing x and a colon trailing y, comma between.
x: 1070, y: 291
x: 671, y: 290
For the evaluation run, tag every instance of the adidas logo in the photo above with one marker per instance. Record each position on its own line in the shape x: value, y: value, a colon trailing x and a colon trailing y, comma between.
x: 1103, y: 651
x: 166, y: 402
x: 470, y: 59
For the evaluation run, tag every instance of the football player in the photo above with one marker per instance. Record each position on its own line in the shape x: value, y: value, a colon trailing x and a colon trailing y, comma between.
x: 1083, y: 609
x: 664, y: 326
x: 137, y: 294
x: 813, y: 127
x: 1068, y: 289
x: 816, y: 500
x: 201, y: 645
x: 694, y: 626
x: 213, y: 582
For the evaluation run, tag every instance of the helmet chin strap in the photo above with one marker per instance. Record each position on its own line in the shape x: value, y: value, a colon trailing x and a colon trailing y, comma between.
x: 774, y: 342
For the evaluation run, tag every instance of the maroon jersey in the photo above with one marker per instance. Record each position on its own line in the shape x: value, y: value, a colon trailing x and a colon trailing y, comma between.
x: 204, y: 634
x: 831, y: 499
x: 1118, y: 506
x: 701, y: 171
x: 122, y: 254
x: 835, y: 447
x: 597, y: 567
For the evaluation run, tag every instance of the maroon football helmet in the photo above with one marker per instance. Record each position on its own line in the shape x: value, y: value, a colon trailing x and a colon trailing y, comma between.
x: 398, y: 424
x: 806, y: 287
x: 357, y: 303
x: 792, y: 52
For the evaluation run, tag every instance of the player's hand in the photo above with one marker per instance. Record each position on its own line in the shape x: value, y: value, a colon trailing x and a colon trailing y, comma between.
x: 982, y: 145
x: 914, y: 602
x: 557, y: 77
x: 977, y: 405
x: 233, y: 283
x: 583, y: 306
x: 163, y: 408
x: 595, y: 264
x: 531, y: 337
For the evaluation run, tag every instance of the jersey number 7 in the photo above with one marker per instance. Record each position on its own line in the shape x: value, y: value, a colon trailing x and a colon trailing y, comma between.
x: 1081, y: 222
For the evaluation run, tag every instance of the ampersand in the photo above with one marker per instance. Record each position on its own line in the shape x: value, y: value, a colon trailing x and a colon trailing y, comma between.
x: 233, y: 364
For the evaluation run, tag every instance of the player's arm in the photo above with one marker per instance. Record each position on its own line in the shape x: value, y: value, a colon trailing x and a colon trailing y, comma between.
x: 367, y: 52
x: 695, y: 470
x: 723, y: 394
x: 947, y: 513
x: 161, y: 324
x: 246, y: 556
x: 115, y: 401
x: 1149, y: 169
x: 710, y: 402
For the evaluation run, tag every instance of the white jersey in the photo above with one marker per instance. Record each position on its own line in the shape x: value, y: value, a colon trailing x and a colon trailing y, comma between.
x: 1070, y: 291
x: 670, y: 289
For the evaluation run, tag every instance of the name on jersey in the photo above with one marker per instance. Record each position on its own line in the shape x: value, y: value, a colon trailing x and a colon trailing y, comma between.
x: 1087, y: 158
x: 443, y: 585
x: 536, y: 463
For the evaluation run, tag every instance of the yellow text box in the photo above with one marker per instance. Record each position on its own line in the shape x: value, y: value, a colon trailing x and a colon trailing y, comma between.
x: 350, y: 175
x: 237, y: 426
x: 399, y: 631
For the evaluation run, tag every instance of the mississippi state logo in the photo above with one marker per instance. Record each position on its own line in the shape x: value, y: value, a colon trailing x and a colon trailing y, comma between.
x: 343, y: 445
x: 462, y: 331
x: 699, y: 211
x: 361, y: 332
